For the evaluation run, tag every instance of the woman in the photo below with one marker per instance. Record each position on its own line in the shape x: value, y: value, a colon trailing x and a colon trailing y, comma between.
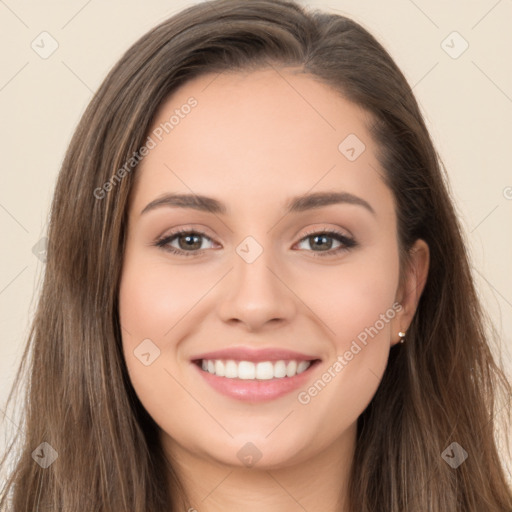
x: 257, y: 295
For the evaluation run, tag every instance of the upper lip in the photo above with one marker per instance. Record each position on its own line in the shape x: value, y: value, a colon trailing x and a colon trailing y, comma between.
x: 255, y: 355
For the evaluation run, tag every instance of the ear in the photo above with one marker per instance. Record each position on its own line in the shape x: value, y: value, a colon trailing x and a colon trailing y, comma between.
x: 409, y: 293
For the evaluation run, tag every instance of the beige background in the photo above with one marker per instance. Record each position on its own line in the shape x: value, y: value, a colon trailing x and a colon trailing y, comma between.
x: 467, y: 102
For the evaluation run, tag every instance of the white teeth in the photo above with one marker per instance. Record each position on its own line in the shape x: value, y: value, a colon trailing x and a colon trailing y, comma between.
x: 291, y: 369
x: 302, y: 366
x: 231, y: 370
x: 264, y: 371
x: 280, y: 369
x: 247, y: 370
x: 220, y: 368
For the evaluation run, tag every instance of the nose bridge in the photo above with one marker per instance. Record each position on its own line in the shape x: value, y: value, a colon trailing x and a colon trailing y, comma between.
x: 255, y: 293
x: 252, y: 273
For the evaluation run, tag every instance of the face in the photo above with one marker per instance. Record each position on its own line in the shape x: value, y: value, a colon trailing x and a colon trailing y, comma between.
x: 259, y: 295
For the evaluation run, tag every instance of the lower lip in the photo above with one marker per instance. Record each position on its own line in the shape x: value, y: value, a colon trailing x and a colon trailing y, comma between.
x: 256, y: 390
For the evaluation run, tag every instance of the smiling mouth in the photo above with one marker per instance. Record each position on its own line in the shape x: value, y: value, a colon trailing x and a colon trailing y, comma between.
x: 255, y: 371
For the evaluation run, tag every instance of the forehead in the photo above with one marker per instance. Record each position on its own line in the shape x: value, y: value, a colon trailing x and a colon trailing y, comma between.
x: 253, y: 133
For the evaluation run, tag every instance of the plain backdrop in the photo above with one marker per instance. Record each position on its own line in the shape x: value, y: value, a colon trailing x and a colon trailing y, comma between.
x: 455, y: 55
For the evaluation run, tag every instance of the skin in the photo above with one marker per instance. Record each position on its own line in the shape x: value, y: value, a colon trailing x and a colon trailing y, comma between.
x: 254, y: 140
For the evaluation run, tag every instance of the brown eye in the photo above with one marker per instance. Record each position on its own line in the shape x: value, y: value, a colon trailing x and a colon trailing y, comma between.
x: 327, y: 243
x: 189, y: 243
x: 321, y: 241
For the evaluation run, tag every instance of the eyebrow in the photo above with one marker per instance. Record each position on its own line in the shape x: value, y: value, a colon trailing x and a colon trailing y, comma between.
x: 293, y: 205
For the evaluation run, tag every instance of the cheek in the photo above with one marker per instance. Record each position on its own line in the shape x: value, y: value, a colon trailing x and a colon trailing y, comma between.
x: 355, y: 295
x: 152, y: 301
x: 358, y: 306
x: 148, y: 307
x: 153, y: 297
x: 157, y: 302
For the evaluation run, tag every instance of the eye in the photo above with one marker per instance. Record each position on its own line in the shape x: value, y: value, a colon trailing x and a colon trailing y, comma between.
x: 189, y: 242
x: 325, y: 240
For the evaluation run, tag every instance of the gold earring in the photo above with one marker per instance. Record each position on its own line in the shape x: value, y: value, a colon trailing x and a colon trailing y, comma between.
x: 402, y: 336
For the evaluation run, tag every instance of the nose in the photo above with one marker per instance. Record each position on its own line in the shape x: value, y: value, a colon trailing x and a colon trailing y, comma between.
x: 256, y: 295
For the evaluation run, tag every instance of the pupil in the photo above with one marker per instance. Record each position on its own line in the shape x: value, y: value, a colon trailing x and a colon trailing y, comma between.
x: 323, y: 239
x: 191, y: 240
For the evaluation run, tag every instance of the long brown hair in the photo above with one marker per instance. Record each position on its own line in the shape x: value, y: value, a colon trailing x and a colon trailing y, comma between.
x: 442, y: 386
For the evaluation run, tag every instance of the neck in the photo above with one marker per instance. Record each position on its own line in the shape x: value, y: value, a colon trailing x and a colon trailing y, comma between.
x: 318, y: 483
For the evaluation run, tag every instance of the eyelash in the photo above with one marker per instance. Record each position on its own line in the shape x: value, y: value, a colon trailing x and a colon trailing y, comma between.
x: 347, y: 242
